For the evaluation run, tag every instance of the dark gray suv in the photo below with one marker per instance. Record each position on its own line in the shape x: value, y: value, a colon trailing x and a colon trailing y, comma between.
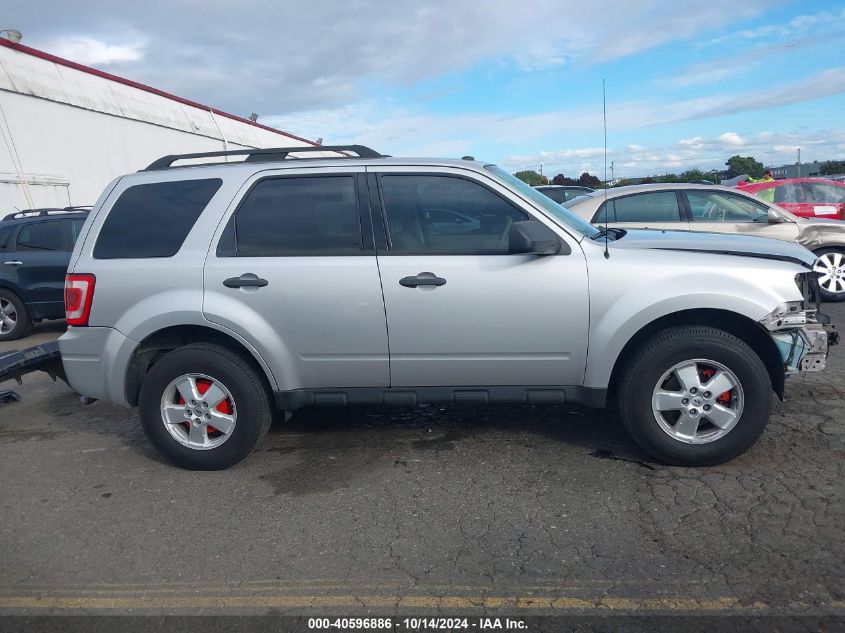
x: 35, y: 247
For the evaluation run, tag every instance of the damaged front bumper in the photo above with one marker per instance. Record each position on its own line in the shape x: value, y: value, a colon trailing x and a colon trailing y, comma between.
x: 802, y: 334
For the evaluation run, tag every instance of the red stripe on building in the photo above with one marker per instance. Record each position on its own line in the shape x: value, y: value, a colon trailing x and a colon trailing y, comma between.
x: 134, y: 84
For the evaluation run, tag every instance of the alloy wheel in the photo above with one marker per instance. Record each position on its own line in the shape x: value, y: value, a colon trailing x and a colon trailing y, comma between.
x: 697, y: 401
x: 831, y: 270
x: 8, y: 316
x: 198, y: 411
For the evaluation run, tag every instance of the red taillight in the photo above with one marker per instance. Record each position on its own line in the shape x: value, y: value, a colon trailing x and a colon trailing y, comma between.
x: 79, y: 293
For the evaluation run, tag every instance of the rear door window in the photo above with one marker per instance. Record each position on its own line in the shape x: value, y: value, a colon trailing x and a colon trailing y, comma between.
x: 658, y: 206
x: 153, y: 220
x: 42, y: 236
x: 295, y: 216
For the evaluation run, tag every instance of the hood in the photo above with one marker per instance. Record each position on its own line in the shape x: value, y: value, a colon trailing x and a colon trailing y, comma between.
x: 717, y: 244
x: 805, y: 221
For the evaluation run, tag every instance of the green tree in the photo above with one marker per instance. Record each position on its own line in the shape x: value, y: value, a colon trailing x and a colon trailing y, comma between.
x: 531, y: 177
x: 832, y: 167
x: 588, y: 180
x: 738, y: 165
x: 560, y: 179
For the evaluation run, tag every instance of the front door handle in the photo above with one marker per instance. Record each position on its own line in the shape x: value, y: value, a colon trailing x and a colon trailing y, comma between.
x: 422, y: 279
x: 14, y: 263
x: 247, y: 280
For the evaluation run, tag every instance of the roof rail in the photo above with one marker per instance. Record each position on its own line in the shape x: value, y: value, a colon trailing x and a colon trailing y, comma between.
x: 34, y: 213
x: 264, y: 155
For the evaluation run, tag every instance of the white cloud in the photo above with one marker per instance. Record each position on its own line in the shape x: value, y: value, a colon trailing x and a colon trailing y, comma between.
x: 406, y: 131
x: 94, y: 52
x: 798, y: 26
x: 269, y: 54
x: 732, y: 139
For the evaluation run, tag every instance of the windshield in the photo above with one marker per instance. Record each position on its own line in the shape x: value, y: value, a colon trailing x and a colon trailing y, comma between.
x: 544, y: 202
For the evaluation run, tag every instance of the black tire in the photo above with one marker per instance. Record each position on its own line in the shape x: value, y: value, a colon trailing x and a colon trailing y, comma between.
x: 827, y: 295
x: 675, y: 345
x: 250, y: 395
x: 23, y: 323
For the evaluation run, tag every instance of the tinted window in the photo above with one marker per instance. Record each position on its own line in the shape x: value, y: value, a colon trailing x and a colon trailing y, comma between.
x: 297, y: 216
x: 153, y: 220
x: 716, y: 206
x: 42, y: 236
x: 443, y: 214
x: 76, y: 229
x: 658, y: 206
x: 6, y: 237
x: 558, y: 195
x: 821, y: 192
x: 790, y: 193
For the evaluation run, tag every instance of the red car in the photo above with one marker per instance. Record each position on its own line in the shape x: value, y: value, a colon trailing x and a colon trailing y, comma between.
x: 806, y: 197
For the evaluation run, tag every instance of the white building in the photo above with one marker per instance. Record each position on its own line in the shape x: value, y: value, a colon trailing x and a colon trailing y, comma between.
x: 66, y: 129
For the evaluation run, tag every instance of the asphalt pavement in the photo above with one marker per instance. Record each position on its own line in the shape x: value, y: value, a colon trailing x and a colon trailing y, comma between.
x: 536, y: 510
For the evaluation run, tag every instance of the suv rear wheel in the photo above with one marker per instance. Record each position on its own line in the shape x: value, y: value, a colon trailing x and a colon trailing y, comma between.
x: 14, y: 317
x: 204, y: 407
x: 695, y: 396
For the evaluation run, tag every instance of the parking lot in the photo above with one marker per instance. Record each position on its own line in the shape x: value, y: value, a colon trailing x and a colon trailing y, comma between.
x: 533, y: 509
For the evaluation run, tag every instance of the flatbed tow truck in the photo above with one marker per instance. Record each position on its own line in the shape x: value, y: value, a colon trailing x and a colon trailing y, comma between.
x: 15, y: 364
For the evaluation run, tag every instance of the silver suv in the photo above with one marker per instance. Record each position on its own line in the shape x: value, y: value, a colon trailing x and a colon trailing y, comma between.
x: 211, y: 295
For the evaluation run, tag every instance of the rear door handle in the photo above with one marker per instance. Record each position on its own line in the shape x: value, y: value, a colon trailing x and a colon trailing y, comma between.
x: 422, y: 279
x: 14, y: 263
x: 247, y: 280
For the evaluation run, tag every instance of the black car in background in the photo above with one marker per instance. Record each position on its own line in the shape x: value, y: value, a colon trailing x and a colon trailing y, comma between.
x: 563, y: 193
x: 35, y: 248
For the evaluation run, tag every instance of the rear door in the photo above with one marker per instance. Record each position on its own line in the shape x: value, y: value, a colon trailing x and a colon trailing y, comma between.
x: 723, y: 212
x: 647, y: 210
x: 292, y: 269
x: 37, y: 265
x: 488, y: 317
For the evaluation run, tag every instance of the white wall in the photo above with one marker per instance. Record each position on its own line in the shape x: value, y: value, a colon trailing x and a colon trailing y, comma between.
x: 68, y: 133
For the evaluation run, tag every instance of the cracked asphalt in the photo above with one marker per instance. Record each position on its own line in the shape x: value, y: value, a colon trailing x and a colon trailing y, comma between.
x: 434, y: 509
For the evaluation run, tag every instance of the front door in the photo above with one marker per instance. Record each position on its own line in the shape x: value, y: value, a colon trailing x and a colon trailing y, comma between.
x: 294, y: 274
x: 724, y: 212
x: 461, y: 310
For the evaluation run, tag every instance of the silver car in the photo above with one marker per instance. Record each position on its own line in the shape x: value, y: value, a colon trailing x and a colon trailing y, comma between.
x: 211, y: 295
x: 718, y: 209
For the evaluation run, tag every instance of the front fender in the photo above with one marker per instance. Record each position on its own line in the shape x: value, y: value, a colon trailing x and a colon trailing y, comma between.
x: 641, y: 287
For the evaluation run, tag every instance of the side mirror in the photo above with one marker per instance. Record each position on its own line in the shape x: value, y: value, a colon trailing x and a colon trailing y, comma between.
x: 774, y: 217
x: 533, y: 237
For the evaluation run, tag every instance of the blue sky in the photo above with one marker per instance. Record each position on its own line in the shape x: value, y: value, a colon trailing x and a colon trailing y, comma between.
x: 518, y: 83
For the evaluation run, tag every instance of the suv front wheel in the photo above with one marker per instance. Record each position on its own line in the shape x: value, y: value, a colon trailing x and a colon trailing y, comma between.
x: 204, y: 407
x: 695, y: 396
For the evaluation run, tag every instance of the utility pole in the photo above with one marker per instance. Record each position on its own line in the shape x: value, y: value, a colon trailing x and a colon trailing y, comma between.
x: 798, y: 164
x: 541, y: 169
x: 611, y: 172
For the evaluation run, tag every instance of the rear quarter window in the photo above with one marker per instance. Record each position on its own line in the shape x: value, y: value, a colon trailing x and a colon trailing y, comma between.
x: 153, y: 220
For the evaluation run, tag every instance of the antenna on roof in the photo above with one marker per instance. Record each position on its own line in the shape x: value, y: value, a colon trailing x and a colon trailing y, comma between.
x: 604, y: 121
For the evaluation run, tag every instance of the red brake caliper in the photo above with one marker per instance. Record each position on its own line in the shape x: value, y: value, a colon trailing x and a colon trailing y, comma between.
x: 707, y: 374
x: 202, y: 387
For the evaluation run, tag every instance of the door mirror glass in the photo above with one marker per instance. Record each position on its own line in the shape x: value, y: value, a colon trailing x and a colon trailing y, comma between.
x: 533, y: 237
